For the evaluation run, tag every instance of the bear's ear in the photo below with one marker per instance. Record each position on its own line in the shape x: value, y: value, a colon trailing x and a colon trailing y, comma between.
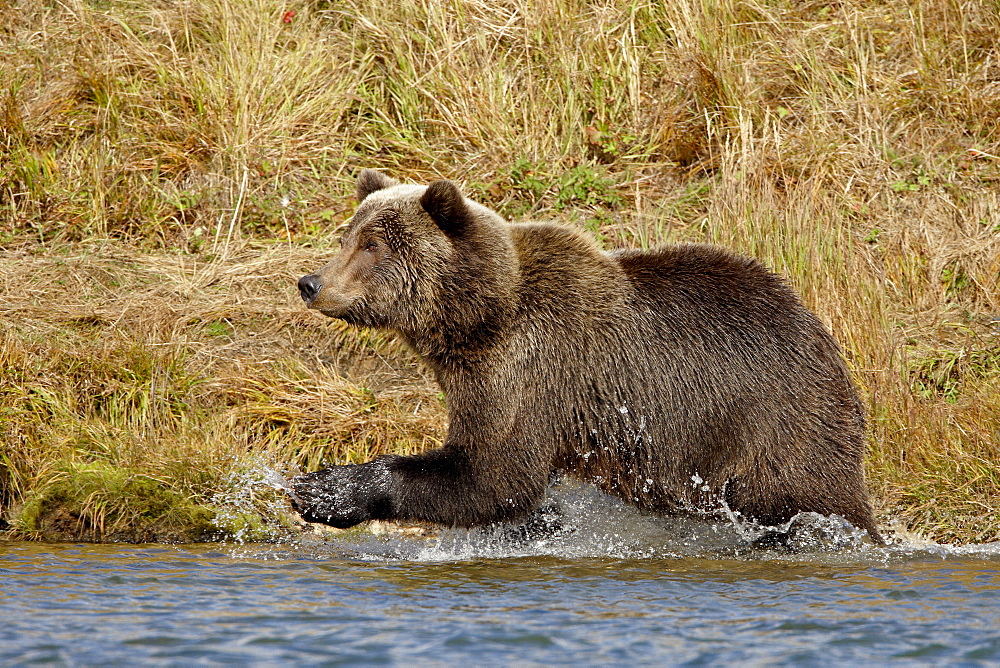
x: 446, y: 207
x: 371, y: 180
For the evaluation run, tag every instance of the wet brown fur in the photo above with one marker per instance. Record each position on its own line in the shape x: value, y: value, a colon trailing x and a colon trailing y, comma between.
x: 678, y: 379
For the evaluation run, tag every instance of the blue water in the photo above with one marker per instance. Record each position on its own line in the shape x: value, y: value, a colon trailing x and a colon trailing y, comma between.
x: 616, y: 588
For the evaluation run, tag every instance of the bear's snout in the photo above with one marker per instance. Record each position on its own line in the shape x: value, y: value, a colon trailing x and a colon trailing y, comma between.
x: 309, y: 287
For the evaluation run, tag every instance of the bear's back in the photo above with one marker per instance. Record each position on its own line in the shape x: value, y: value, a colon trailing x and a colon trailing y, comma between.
x: 675, y: 362
x: 706, y: 294
x: 686, y: 294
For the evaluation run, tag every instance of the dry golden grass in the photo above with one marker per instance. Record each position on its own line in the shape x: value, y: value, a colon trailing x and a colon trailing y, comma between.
x: 167, y: 169
x: 170, y: 370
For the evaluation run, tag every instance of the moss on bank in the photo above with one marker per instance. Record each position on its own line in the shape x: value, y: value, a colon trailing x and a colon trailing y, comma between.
x: 97, y: 502
x: 94, y: 501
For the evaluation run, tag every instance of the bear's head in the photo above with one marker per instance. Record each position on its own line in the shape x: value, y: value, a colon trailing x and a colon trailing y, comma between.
x: 414, y: 258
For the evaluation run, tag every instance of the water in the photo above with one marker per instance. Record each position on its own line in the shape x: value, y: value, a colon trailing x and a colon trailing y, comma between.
x: 612, y: 586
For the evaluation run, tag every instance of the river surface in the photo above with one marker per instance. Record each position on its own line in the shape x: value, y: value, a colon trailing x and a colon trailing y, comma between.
x: 611, y: 587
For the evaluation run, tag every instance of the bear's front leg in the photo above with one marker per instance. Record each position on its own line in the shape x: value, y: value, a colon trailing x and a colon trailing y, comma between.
x: 342, y: 496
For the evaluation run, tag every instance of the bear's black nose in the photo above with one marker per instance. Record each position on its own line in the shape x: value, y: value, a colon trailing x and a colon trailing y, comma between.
x: 309, y: 287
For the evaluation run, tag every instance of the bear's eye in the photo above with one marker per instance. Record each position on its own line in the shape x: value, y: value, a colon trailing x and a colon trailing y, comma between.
x: 371, y: 246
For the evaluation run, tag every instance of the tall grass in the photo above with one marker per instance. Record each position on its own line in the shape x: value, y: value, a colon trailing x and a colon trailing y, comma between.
x: 166, y: 170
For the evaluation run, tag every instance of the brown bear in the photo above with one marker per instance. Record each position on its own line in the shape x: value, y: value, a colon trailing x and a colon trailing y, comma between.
x: 682, y: 379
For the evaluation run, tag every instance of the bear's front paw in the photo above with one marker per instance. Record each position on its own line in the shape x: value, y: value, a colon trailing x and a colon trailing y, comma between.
x: 342, y: 496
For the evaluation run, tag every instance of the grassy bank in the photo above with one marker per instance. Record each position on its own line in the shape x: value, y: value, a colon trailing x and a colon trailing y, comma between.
x: 136, y: 385
x: 168, y: 169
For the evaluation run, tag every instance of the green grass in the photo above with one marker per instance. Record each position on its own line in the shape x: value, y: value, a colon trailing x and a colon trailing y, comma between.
x: 167, y: 170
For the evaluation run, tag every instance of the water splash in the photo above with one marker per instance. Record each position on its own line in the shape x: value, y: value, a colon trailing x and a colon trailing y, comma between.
x: 271, y: 477
x: 592, y: 524
x: 254, y: 506
x: 585, y: 524
x: 588, y: 524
